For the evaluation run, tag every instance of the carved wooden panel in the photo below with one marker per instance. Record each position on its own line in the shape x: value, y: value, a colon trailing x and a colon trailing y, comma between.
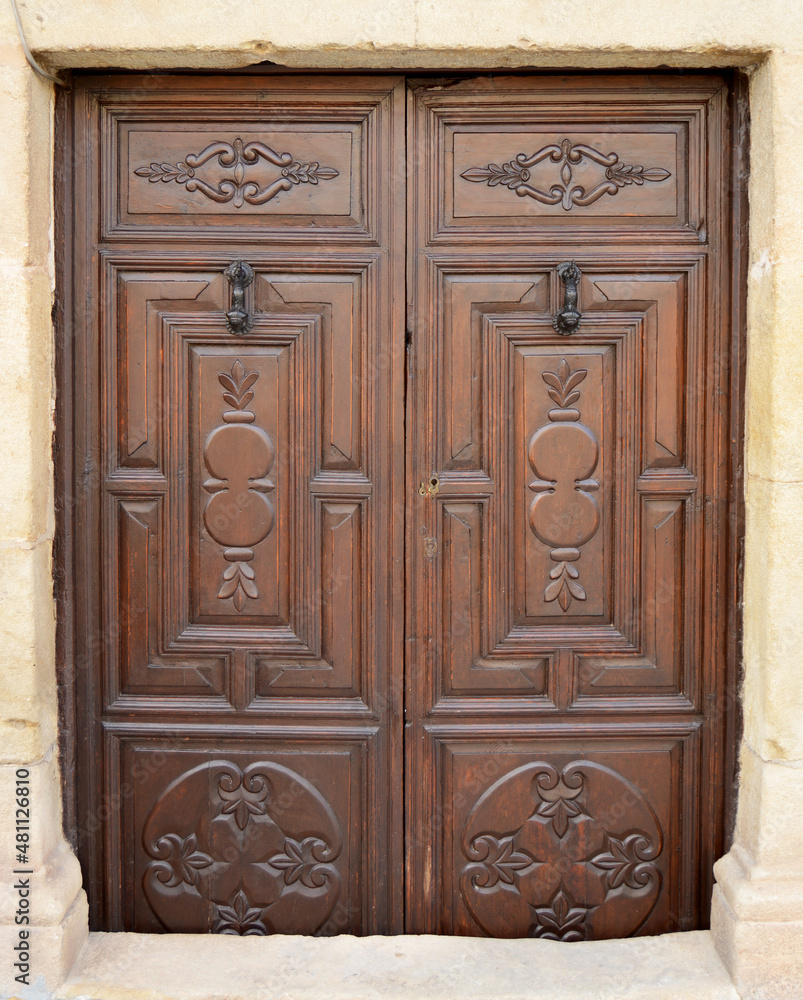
x: 237, y: 416
x: 562, y: 577
x: 545, y: 841
x: 574, y: 154
x: 246, y: 840
x: 286, y: 154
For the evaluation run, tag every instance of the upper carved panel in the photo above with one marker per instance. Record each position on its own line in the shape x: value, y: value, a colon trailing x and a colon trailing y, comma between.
x: 586, y: 176
x: 292, y: 157
x: 517, y: 159
x: 246, y: 171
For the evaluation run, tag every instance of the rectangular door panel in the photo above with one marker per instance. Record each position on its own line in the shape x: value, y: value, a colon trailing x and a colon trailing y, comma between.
x: 565, y: 839
x: 289, y: 155
x: 254, y: 837
x: 570, y: 156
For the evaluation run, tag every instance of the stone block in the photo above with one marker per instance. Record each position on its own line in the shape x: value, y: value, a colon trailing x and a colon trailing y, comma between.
x: 26, y: 407
x: 26, y: 114
x: 769, y: 825
x: 764, y: 958
x: 773, y: 620
x: 187, y: 967
x: 27, y: 654
x: 48, y: 854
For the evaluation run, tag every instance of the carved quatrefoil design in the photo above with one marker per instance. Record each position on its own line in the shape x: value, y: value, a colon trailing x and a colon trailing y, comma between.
x: 574, y: 858
x: 242, y: 851
x: 238, y: 457
x: 516, y: 175
x: 238, y: 188
x: 563, y: 454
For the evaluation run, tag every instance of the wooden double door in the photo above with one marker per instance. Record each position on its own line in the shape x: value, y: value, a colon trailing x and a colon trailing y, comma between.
x: 397, y: 429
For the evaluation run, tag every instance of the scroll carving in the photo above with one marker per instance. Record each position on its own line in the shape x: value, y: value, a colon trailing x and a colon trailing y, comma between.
x: 238, y: 187
x: 570, y: 868
x: 515, y: 175
x: 564, y: 515
x: 238, y: 457
x: 225, y: 855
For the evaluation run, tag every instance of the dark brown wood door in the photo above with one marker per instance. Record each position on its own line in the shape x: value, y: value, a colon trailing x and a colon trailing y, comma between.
x: 238, y: 422
x: 568, y: 548
x: 234, y: 446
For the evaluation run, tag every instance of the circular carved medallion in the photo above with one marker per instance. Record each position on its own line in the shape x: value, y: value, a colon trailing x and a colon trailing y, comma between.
x: 566, y: 854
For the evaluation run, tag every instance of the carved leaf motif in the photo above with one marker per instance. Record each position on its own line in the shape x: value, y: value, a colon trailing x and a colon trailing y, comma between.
x: 560, y: 921
x: 239, y: 918
x: 302, y: 862
x: 500, y: 861
x: 243, y: 804
x: 184, y: 860
x: 626, y: 862
x: 560, y: 811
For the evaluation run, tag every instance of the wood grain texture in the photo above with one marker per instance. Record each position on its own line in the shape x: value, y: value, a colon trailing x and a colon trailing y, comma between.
x: 566, y: 637
x: 280, y: 658
x: 237, y: 580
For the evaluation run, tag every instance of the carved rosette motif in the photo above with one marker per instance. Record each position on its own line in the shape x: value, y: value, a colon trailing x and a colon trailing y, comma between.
x: 577, y: 861
x: 564, y: 515
x: 225, y: 856
x: 516, y: 175
x: 238, y: 457
x: 238, y: 188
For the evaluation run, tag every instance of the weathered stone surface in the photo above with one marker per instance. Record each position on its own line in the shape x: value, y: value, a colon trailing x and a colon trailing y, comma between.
x: 27, y: 654
x: 128, y: 966
x: 26, y: 406
x: 764, y: 958
x: 25, y: 164
x: 773, y: 620
x: 408, y: 33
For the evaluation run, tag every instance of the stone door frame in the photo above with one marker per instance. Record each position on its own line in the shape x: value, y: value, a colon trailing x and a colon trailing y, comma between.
x: 757, y: 919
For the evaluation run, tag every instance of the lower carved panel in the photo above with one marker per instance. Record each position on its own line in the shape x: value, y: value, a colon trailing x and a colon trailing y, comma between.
x: 566, y: 838
x: 240, y: 841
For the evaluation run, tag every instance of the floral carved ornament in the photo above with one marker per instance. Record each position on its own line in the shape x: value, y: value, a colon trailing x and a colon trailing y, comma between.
x: 239, y: 187
x: 224, y: 854
x: 576, y: 859
x: 516, y: 175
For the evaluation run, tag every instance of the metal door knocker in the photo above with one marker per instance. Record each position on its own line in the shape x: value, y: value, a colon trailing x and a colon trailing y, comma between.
x: 240, y: 276
x: 568, y: 319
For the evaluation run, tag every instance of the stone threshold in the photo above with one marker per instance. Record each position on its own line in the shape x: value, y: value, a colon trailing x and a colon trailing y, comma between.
x: 221, y: 967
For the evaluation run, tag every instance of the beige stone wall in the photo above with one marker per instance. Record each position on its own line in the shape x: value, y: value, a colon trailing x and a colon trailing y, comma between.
x: 758, y: 905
